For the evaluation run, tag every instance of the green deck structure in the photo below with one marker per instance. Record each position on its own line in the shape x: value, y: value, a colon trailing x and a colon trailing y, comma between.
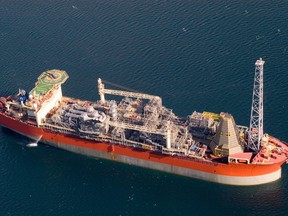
x: 47, y: 80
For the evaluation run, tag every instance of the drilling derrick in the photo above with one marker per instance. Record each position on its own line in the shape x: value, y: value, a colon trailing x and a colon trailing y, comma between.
x: 256, y: 118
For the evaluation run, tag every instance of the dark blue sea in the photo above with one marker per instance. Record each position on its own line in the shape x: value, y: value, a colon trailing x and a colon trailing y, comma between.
x: 196, y: 54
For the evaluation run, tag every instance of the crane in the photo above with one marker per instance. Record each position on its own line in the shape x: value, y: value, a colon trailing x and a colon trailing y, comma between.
x: 103, y: 91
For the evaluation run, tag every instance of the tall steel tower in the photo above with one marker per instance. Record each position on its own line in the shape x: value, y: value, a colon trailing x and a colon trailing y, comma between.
x: 256, y: 118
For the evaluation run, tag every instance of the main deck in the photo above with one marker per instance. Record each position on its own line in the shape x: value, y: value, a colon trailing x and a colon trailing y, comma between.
x: 140, y: 121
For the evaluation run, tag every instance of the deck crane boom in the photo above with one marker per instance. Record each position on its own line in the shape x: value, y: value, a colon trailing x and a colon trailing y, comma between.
x: 103, y: 91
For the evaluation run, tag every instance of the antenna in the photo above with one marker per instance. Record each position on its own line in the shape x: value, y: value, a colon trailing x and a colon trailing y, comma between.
x: 256, y: 118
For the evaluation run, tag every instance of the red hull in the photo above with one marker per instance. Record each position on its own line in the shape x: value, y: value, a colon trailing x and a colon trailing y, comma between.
x: 231, y: 169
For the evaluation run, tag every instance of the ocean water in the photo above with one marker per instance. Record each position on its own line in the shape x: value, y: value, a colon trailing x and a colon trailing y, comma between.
x: 196, y: 55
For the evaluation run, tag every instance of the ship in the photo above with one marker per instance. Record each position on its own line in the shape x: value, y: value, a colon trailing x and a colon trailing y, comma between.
x: 138, y: 130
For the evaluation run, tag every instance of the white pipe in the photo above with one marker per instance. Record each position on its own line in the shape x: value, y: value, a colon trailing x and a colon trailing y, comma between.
x: 168, y: 140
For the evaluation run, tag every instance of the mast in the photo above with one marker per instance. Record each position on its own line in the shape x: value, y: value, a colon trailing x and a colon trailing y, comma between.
x: 256, y: 118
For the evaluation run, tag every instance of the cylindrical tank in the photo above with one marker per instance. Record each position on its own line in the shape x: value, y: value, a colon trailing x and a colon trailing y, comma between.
x: 90, y: 109
x: 113, y: 108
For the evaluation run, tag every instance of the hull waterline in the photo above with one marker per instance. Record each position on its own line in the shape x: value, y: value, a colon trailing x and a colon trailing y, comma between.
x: 231, y: 174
